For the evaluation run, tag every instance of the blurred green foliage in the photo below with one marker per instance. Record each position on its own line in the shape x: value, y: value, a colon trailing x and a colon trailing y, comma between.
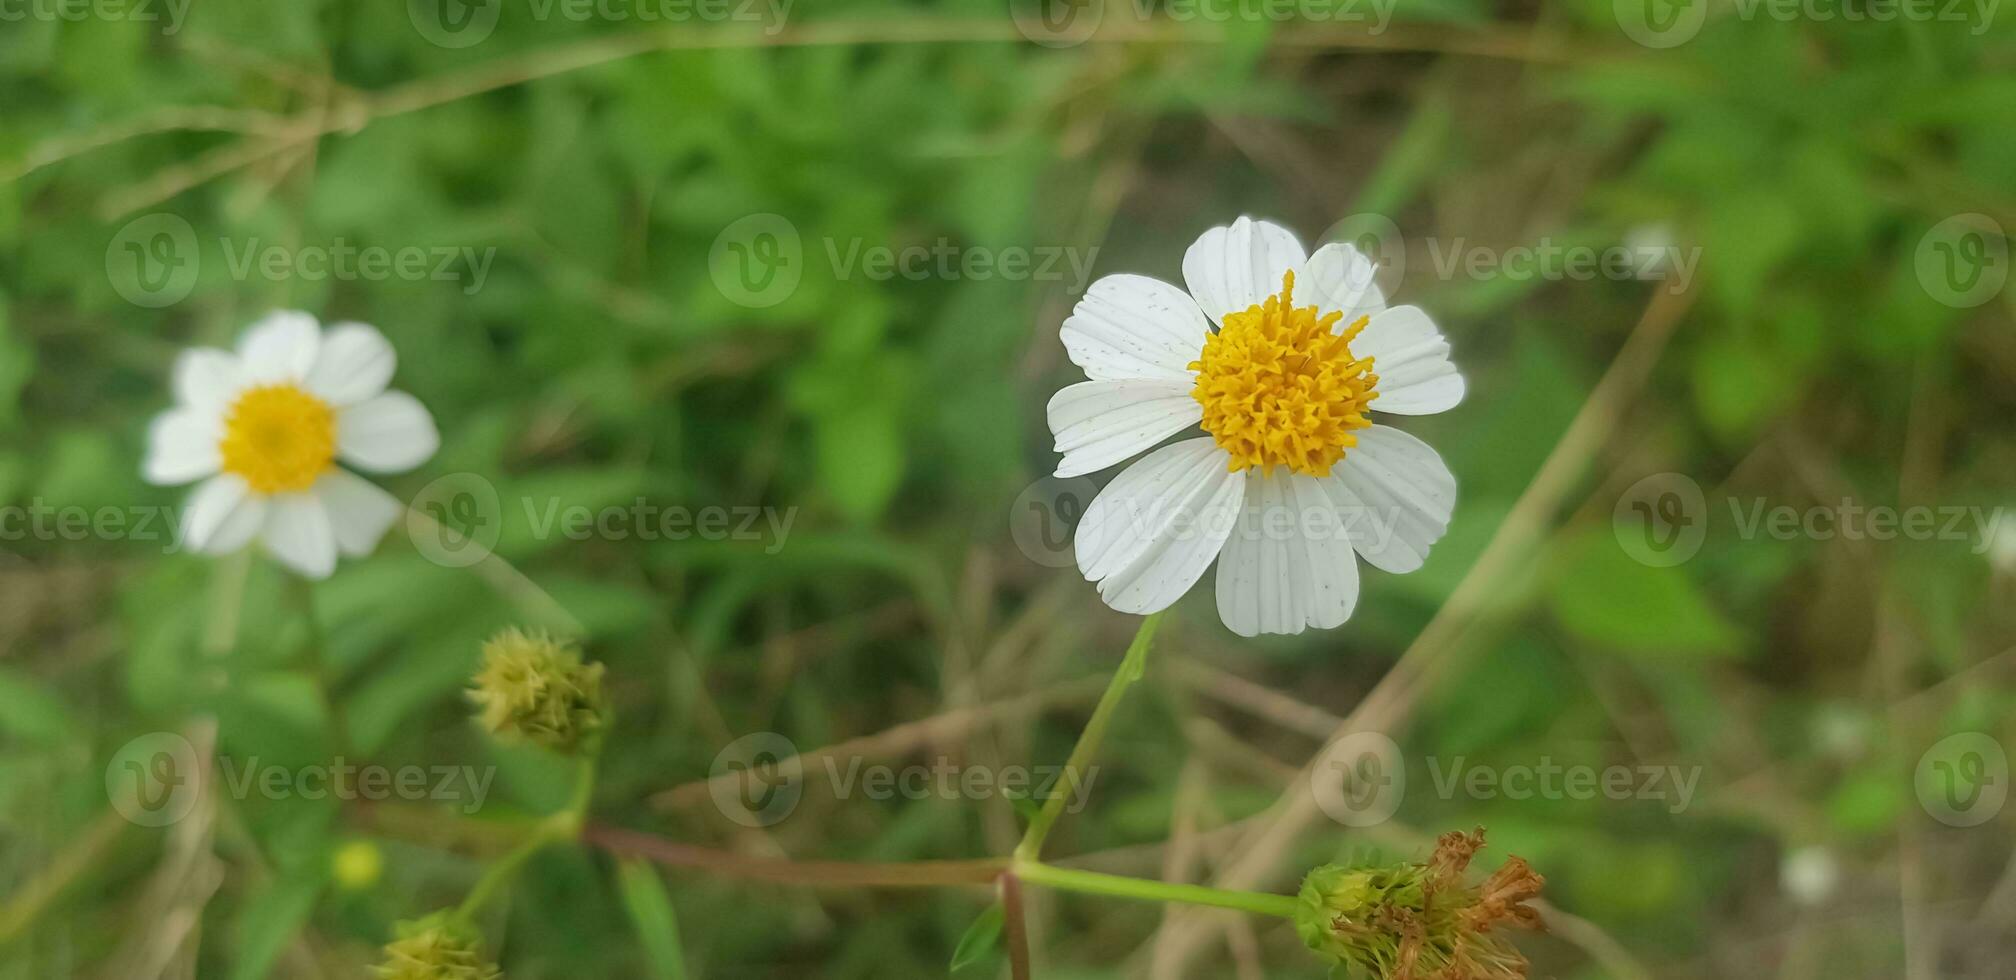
x: 599, y: 362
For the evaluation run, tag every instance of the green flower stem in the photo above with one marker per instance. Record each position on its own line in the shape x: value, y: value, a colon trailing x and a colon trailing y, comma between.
x: 500, y: 872
x: 1131, y: 668
x: 318, y: 663
x: 575, y: 816
x: 560, y: 827
x: 1146, y: 890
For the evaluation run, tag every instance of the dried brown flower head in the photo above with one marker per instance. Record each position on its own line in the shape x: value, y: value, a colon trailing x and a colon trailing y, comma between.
x: 1420, y: 921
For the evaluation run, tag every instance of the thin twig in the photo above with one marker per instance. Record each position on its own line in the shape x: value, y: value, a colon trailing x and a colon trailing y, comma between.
x: 821, y: 874
x: 26, y: 905
x: 272, y: 137
x: 1617, y: 962
x: 503, y: 576
x: 1014, y: 927
x: 899, y: 740
x: 167, y: 119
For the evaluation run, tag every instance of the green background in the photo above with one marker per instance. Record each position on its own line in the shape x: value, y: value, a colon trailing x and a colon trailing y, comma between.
x: 900, y: 421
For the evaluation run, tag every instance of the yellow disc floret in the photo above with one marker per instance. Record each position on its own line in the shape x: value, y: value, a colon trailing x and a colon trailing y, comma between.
x: 1280, y: 387
x: 278, y: 438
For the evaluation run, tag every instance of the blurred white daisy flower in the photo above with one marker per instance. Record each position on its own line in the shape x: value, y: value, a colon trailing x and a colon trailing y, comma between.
x: 2000, y: 544
x: 264, y: 427
x: 1809, y: 875
x: 1292, y: 475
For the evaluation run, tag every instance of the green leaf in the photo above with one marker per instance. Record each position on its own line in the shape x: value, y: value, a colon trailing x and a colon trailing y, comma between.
x: 17, y: 362
x: 1602, y: 594
x: 31, y: 712
x: 1738, y: 384
x: 1025, y: 805
x: 981, y: 938
x: 1867, y: 803
x: 652, y: 914
x: 270, y: 918
x: 1748, y: 235
x: 860, y: 453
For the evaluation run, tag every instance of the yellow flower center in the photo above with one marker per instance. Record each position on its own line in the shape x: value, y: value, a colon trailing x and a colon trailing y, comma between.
x: 1280, y: 388
x: 279, y: 438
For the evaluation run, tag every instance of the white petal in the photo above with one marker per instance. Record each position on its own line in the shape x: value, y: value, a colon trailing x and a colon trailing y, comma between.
x: 221, y: 516
x: 355, y: 362
x: 1132, y: 327
x: 206, y: 377
x: 1152, y: 532
x: 1230, y: 268
x: 1339, y: 278
x: 280, y: 347
x: 1395, y: 495
x: 360, y: 512
x: 1411, y: 359
x: 298, y: 534
x: 1099, y: 423
x: 391, y: 433
x: 1288, y: 565
x: 182, y: 446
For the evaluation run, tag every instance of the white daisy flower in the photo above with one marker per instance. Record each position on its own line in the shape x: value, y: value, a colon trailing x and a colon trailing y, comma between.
x: 1292, y: 476
x: 264, y: 428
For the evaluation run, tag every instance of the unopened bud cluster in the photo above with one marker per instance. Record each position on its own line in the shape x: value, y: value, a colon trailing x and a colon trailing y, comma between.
x: 536, y: 689
x: 435, y: 948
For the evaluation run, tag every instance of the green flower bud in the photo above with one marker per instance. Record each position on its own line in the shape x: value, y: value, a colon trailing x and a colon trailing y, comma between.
x: 435, y: 948
x: 1419, y: 921
x: 536, y: 689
